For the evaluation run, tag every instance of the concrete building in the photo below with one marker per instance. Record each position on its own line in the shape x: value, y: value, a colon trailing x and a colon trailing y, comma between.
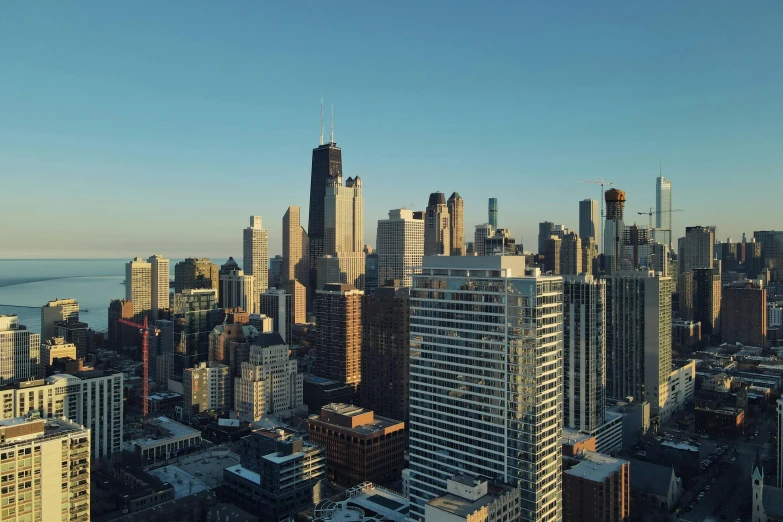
x: 171, y: 440
x: 20, y: 351
x: 278, y: 304
x: 269, y: 382
x: 57, y: 453
x: 500, y: 244
x: 456, y: 207
x: 437, y: 223
x: 338, y: 310
x: 76, y: 333
x: 206, y: 387
x: 745, y: 314
x: 343, y: 216
x: 120, y: 335
x: 343, y: 268
x: 589, y: 257
x: 508, y: 308
x: 686, y: 336
x: 552, y: 255
x: 681, y: 386
x: 196, y: 274
x: 298, y: 293
x: 279, y: 475
x: 474, y: 499
x: 705, y: 302
x: 638, y: 343
x: 588, y: 219
x: 160, y: 276
x: 138, y: 287
x: 596, y: 488
x: 360, y: 446
x: 366, y: 502
x: 614, y: 227
x: 255, y: 257
x: 386, y: 351
x: 699, y: 248
x: 663, y: 211
x: 480, y: 236
x: 295, y: 248
x: 400, y: 242
x: 57, y: 310
x: 95, y: 402
x: 571, y: 255
x: 767, y: 501
x: 194, y: 314
x: 237, y: 290
x: 54, y: 348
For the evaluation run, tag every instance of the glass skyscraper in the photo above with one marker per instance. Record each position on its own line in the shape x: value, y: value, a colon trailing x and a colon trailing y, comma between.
x: 486, y: 370
x: 663, y: 208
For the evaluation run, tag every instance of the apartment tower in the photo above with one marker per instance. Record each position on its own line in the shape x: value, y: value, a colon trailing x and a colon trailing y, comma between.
x: 663, y: 211
x: 338, y: 310
x: 400, y: 243
x: 437, y: 231
x: 456, y: 206
x: 255, y: 253
x: 588, y: 219
x: 492, y: 212
x: 160, y: 276
x: 20, y: 351
x: 138, y: 287
x: 57, y: 310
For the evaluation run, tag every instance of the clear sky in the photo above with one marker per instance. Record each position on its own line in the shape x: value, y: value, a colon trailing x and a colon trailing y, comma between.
x: 142, y: 127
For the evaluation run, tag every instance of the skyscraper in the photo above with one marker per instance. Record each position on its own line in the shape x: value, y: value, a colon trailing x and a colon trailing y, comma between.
x: 487, y: 401
x: 138, y: 286
x: 255, y: 250
x: 588, y: 219
x: 457, y: 224
x: 480, y: 238
x: 663, y: 208
x: 279, y: 305
x: 400, y: 243
x: 343, y: 216
x: 196, y: 274
x: 571, y: 254
x: 584, y: 352
x: 699, y: 245
x: 639, y: 337
x: 160, y: 277
x: 492, y: 214
x: 437, y: 232
x: 20, y: 351
x: 545, y: 230
x: 706, y: 302
x: 57, y: 310
x: 613, y: 230
x: 338, y: 310
x: 295, y: 262
x: 744, y: 314
x: 237, y: 290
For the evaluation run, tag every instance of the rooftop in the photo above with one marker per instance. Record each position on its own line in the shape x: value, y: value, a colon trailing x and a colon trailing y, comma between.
x: 245, y: 473
x: 362, y: 503
x: 462, y: 507
x: 596, y: 467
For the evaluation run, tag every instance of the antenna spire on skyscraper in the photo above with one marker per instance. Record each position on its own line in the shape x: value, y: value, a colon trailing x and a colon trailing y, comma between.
x: 331, y: 134
x: 322, y: 120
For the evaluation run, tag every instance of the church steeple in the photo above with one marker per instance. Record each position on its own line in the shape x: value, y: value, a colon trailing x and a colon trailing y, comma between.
x: 758, y: 470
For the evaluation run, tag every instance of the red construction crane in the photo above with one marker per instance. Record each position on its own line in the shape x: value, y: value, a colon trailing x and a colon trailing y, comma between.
x: 145, y: 330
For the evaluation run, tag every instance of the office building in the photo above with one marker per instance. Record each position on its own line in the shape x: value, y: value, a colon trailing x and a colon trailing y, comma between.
x: 386, y: 351
x: 275, y: 279
x: 584, y: 352
x: 437, y: 223
x: 699, y: 244
x: 225, y: 269
x: 360, y: 446
x: 237, y: 290
x: 545, y: 230
x: 706, y: 302
x: 221, y: 337
x: 298, y: 293
x: 56, y: 348
x: 505, y: 425
x: 456, y: 207
x: 20, y: 351
x: 160, y: 276
x: 744, y: 314
x: 207, y: 387
x: 194, y: 314
x: 663, y: 211
x: 686, y: 336
x: 295, y: 248
x: 370, y: 272
x: 345, y: 268
x: 338, y: 310
x: 76, y: 333
x: 57, y: 310
x: 196, y: 274
x: 279, y: 305
x: 635, y: 249
x: 771, y: 251
x: 57, y: 486
x: 120, y: 335
x: 480, y: 238
x: 596, y: 488
x: 571, y: 254
x: 589, y: 256
x: 552, y: 255
x: 492, y: 214
x: 588, y: 219
x: 279, y: 475
x: 638, y: 338
x: 613, y: 230
x: 268, y: 382
x: 255, y: 257
x: 500, y: 244
x: 138, y: 287
x: 474, y: 499
x: 170, y: 440
x: 343, y: 216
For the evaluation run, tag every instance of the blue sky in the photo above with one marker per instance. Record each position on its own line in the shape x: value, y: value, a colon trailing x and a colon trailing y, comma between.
x: 138, y: 127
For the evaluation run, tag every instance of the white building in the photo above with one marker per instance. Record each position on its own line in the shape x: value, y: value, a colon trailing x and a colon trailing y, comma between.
x: 474, y: 499
x: 343, y: 216
x: 20, y: 351
x: 138, y: 285
x: 639, y: 337
x: 160, y: 276
x: 663, y: 211
x: 255, y: 249
x: 400, y: 244
x: 237, y: 290
x: 774, y: 315
x: 269, y: 382
x: 54, y: 348
x: 682, y: 383
x: 366, y: 502
x: 49, y: 464
x: 54, y: 311
x: 480, y: 237
x: 486, y: 372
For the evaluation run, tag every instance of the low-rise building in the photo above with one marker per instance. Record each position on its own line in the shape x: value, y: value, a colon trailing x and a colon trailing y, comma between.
x: 682, y: 381
x: 635, y: 419
x: 164, y: 403
x: 364, y: 503
x: 56, y: 348
x: 172, y: 439
x: 686, y: 336
x: 596, y: 488
x: 206, y: 387
x: 654, y: 485
x: 474, y: 499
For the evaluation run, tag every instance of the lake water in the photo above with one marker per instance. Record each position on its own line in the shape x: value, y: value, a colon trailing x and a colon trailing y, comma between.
x: 28, y: 284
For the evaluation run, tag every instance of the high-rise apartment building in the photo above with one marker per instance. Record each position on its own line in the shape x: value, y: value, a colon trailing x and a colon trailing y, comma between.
x: 295, y: 258
x: 492, y: 212
x: 255, y: 254
x: 771, y: 251
x: 699, y: 245
x: 480, y: 236
x: 50, y: 460
x: 269, y: 382
x: 552, y: 255
x: 275, y: 272
x: 56, y: 348
x: 344, y: 268
x: 639, y: 337
x: 386, y: 351
x: 589, y: 256
x: 487, y: 401
x: 437, y: 223
x: 237, y: 290
x: 225, y: 269
x: 74, y: 332
x: 160, y: 276
x: 400, y: 242
x: 279, y: 305
x: 194, y: 314
x: 196, y: 274
x: 584, y: 352
x: 138, y: 287
x: 57, y: 310
x: 613, y: 230
x: 456, y: 207
x: 663, y: 211
x: 744, y: 314
x: 588, y: 219
x: 298, y: 293
x: 500, y: 244
x: 338, y: 310
x: 207, y: 386
x: 706, y: 301
x: 20, y: 351
x: 120, y: 335
x: 343, y: 216
x: 571, y: 254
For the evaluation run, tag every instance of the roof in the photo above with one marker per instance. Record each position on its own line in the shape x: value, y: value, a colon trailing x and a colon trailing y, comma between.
x: 773, y: 501
x: 265, y: 340
x: 245, y: 473
x: 650, y: 478
x: 462, y: 507
x: 596, y: 467
x: 436, y: 198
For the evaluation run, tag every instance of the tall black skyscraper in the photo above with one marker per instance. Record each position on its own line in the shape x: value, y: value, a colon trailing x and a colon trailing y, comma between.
x: 327, y: 165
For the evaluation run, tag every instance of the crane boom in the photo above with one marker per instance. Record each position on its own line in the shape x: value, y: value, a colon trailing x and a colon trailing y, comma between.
x: 145, y: 330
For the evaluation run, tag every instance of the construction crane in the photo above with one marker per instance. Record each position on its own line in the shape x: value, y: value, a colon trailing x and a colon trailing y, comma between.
x: 601, y: 182
x: 656, y: 212
x: 145, y: 330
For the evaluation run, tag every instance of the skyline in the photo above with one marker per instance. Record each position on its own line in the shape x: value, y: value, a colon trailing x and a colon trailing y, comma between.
x: 214, y: 113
